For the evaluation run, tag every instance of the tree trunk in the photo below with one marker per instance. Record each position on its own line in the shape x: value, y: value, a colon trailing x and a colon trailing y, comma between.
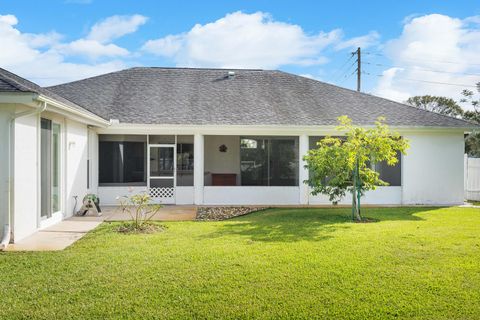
x: 355, y: 205
x: 355, y: 208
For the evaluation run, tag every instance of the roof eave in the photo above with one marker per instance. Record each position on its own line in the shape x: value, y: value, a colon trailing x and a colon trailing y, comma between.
x: 86, y: 116
x: 139, y: 128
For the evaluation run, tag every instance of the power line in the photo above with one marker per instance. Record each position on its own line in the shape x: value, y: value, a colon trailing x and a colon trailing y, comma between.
x: 344, y: 73
x: 341, y: 70
x: 426, y: 60
x: 425, y: 81
x: 420, y: 68
x: 346, y: 61
x: 348, y: 77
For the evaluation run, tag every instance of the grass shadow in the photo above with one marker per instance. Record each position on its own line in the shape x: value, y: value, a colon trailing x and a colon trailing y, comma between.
x: 312, y: 224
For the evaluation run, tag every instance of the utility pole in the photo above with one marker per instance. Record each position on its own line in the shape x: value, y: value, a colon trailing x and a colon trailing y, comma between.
x: 359, y: 68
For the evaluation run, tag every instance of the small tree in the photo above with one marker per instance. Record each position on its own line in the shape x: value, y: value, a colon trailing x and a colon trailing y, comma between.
x: 341, y: 165
x: 140, y: 209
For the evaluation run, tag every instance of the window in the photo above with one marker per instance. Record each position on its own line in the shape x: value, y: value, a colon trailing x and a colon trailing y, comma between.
x: 184, y: 160
x: 50, y: 168
x: 122, y: 160
x: 269, y: 161
x: 390, y: 174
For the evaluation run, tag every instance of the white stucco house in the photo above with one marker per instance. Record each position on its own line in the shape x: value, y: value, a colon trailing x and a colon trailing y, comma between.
x: 199, y: 136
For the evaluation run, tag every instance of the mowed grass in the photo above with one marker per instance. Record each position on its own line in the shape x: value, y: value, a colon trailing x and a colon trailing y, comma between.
x: 421, y: 263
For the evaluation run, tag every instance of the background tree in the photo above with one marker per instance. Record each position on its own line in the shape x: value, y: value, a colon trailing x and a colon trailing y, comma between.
x: 437, y: 104
x: 449, y: 107
x: 469, y: 97
x: 472, y: 141
x: 341, y: 165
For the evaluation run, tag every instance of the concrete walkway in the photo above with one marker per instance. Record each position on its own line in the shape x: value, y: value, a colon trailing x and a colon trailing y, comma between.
x: 66, y: 232
x: 56, y: 237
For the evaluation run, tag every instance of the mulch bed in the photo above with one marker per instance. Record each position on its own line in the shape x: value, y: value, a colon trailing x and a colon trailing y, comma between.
x: 224, y: 213
x: 146, y: 228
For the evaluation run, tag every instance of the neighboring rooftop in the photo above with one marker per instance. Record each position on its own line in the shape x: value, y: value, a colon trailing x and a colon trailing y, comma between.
x: 11, y: 83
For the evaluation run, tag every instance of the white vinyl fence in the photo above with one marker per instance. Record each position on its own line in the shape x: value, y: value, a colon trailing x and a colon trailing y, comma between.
x: 472, y: 178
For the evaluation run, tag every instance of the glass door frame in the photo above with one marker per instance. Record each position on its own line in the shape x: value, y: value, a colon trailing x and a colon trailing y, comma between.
x: 174, y: 173
x: 55, y: 156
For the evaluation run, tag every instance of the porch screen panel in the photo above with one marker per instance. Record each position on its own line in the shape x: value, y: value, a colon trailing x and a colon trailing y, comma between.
x: 283, y: 162
x: 184, y: 160
x: 122, y: 160
x: 269, y: 161
x: 254, y: 161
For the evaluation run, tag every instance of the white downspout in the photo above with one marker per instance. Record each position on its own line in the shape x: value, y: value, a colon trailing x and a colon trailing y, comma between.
x: 7, y: 230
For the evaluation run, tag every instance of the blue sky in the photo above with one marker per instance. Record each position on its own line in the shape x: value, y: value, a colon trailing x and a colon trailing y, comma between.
x: 411, y: 47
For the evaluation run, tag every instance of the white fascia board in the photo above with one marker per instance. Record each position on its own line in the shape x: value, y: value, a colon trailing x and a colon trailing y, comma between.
x: 127, y: 128
x: 25, y: 98
x: 72, y: 113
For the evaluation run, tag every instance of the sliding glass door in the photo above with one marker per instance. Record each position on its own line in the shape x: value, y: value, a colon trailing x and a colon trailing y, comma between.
x: 50, y: 171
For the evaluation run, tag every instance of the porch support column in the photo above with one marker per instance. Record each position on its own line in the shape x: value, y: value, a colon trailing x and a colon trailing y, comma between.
x: 198, y: 167
x: 303, y: 172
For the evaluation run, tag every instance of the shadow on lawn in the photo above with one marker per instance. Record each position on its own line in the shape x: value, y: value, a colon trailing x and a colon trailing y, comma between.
x: 312, y: 224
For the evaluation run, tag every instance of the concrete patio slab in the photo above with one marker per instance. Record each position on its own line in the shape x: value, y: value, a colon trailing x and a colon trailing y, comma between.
x: 56, y: 237
x: 73, y: 225
x: 46, y: 241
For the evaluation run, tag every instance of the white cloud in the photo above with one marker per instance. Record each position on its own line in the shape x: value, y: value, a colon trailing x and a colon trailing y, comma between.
x: 43, y: 39
x: 98, y: 41
x: 92, y: 49
x: 244, y: 41
x: 115, y: 27
x: 40, y: 57
x: 8, y: 19
x: 432, y: 48
x: 364, y: 41
x: 311, y: 76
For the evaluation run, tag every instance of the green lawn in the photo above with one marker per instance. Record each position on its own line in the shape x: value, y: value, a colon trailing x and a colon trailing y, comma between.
x: 280, y: 263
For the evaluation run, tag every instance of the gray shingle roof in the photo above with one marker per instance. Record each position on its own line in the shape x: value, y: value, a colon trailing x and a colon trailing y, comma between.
x: 10, y: 82
x: 251, y: 97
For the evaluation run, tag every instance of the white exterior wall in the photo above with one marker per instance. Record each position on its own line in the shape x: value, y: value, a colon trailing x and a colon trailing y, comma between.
x: 432, y: 171
x: 73, y: 154
x: 26, y: 177
x: 6, y: 113
x: 76, y: 165
x: 381, y: 196
x: 93, y: 157
x: 253, y: 195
